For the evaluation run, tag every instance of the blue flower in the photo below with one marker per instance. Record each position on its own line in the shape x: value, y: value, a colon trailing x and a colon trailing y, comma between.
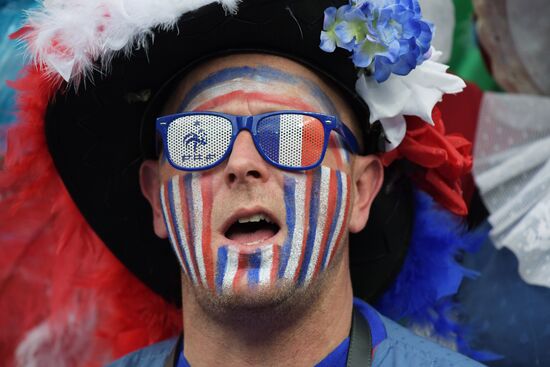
x: 384, y: 36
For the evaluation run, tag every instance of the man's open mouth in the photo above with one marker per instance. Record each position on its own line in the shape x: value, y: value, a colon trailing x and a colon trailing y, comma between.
x: 251, y: 229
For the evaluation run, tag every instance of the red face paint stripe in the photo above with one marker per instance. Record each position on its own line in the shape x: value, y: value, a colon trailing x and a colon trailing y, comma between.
x: 241, y: 270
x: 219, y: 101
x: 332, y: 192
x: 306, y: 204
x: 345, y: 221
x: 206, y: 188
x: 185, y: 216
x: 274, y: 265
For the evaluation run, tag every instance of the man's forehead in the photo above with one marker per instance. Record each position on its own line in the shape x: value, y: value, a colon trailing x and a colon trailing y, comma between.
x: 277, y: 71
x: 258, y: 65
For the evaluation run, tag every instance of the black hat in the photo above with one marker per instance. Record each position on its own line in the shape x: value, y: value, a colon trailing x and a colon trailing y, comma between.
x: 99, y: 135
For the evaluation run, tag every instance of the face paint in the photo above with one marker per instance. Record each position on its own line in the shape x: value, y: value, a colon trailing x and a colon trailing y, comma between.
x: 252, y: 82
x: 316, y: 205
x: 337, y: 146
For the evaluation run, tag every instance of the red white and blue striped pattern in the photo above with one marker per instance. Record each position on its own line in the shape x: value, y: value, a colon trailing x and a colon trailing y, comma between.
x: 292, y: 140
x: 316, y: 213
x: 235, y: 268
x: 187, y: 205
x: 317, y: 205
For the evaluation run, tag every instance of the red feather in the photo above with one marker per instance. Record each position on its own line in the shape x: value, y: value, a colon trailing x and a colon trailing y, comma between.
x: 65, y: 300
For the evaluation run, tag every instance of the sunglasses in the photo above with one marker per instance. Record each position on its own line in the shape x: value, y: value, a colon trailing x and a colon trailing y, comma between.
x: 289, y: 140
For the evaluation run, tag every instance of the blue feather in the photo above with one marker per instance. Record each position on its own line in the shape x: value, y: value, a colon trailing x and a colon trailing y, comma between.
x: 422, y: 296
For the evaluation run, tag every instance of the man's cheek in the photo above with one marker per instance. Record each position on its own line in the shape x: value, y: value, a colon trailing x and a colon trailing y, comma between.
x: 187, y: 207
x: 317, y: 205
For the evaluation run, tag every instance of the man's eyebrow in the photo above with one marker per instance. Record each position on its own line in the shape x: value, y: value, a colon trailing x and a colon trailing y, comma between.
x: 262, y: 73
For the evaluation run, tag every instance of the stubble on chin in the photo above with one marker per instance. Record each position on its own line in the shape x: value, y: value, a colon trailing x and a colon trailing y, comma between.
x: 278, y: 306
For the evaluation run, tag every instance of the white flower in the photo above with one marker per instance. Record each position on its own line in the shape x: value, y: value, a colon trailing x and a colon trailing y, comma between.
x: 415, y: 94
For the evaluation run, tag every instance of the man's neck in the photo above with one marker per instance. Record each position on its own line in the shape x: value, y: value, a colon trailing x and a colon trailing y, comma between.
x: 303, y: 338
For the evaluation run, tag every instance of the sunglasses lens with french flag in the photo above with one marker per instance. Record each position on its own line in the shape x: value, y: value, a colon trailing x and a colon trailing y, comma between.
x: 291, y: 140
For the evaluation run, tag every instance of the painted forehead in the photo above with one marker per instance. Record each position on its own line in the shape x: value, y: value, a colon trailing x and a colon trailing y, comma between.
x: 259, y: 83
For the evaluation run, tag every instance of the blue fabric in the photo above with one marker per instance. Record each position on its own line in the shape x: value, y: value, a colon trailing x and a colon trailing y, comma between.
x: 336, y: 358
x: 152, y: 356
x: 393, y: 346
x: 506, y: 315
x: 403, y: 348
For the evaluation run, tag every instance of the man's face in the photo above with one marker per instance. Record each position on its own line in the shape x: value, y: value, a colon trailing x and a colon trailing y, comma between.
x: 244, y: 229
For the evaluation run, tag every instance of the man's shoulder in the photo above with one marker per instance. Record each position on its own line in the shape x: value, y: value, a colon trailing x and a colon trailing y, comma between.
x: 152, y: 356
x: 403, y: 348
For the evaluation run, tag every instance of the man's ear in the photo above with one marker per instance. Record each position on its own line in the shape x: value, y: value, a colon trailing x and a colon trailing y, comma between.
x: 150, y: 188
x: 367, y: 176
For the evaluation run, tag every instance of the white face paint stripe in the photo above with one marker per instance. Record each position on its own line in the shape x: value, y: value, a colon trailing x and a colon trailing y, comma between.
x: 265, y: 267
x: 323, y: 209
x: 171, y: 235
x: 245, y: 85
x: 176, y: 193
x: 230, y: 270
x: 197, y: 225
x: 341, y: 214
x: 291, y: 141
x: 298, y: 236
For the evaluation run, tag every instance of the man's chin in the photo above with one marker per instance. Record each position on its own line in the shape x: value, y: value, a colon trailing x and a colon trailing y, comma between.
x: 243, y: 304
x: 249, y: 297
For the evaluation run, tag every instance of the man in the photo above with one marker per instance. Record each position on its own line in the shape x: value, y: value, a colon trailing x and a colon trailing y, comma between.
x: 294, y: 315
x: 257, y: 178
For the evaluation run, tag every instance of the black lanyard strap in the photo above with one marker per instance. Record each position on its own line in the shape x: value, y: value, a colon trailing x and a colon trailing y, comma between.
x: 360, y: 342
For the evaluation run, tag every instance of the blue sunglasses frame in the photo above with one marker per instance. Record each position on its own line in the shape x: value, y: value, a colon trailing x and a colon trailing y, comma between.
x: 250, y: 123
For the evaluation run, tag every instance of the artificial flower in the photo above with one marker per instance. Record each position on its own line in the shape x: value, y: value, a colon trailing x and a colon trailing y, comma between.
x: 413, y: 95
x: 385, y: 36
x: 444, y: 159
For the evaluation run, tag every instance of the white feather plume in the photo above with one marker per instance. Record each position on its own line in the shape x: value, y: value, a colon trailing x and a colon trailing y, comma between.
x: 72, y: 38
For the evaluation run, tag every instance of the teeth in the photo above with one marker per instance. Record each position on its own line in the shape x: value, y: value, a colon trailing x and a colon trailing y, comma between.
x: 254, y: 218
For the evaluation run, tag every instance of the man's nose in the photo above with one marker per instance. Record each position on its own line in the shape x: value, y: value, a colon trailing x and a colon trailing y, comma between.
x: 245, y: 164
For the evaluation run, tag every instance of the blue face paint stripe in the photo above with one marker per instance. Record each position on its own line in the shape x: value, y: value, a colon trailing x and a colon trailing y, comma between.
x: 220, y: 267
x: 261, y: 73
x: 254, y: 263
x: 180, y: 237
x: 289, y: 189
x: 335, y: 219
x: 312, y: 227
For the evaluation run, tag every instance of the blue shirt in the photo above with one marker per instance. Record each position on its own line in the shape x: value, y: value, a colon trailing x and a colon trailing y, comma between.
x: 393, y: 346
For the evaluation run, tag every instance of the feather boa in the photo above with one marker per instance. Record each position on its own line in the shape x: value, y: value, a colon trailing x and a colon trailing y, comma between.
x: 65, y: 299
x: 421, y: 297
x: 105, y: 27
